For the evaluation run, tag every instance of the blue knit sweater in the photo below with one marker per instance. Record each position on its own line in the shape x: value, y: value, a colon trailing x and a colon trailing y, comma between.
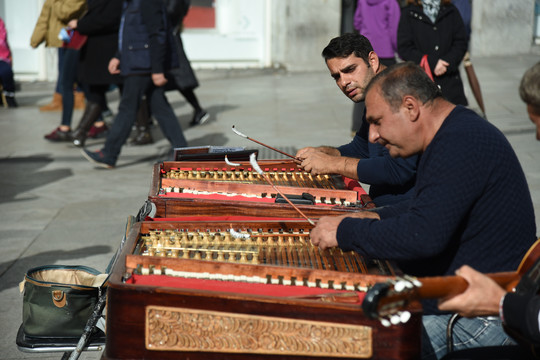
x: 391, y: 180
x: 471, y: 205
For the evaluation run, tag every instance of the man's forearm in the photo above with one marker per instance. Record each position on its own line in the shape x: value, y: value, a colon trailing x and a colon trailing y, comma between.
x: 345, y: 166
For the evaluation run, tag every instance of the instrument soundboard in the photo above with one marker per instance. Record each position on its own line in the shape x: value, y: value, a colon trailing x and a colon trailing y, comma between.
x: 246, y: 290
x: 217, y: 188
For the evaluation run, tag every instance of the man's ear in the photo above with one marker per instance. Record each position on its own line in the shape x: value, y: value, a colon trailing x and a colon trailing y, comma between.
x: 374, y: 62
x: 411, y: 106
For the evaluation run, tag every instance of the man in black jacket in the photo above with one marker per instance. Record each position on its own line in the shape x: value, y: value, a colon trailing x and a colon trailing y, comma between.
x: 146, y: 53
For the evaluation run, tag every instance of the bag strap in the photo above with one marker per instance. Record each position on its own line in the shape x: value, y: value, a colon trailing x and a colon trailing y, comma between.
x: 425, y: 66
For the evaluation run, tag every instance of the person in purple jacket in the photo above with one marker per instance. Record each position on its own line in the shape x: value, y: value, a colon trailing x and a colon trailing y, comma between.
x: 470, y: 205
x: 378, y: 20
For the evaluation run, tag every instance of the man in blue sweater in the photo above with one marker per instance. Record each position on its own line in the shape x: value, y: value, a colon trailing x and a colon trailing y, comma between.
x: 353, y: 63
x: 520, y: 310
x: 470, y: 204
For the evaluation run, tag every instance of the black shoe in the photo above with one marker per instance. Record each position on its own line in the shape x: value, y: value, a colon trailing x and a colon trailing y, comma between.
x: 98, y: 158
x: 143, y: 137
x: 199, y: 118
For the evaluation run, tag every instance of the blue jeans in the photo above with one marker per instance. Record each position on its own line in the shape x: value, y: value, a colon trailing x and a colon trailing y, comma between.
x: 468, y: 333
x: 61, y: 52
x: 69, y: 77
x: 135, y: 87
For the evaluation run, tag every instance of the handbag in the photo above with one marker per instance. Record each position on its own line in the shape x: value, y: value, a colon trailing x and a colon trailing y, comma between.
x: 59, y: 299
x: 425, y: 66
x: 74, y: 39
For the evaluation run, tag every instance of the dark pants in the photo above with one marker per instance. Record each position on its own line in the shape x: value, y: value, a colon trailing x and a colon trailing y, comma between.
x: 61, y: 52
x: 6, y: 77
x: 68, y: 79
x: 135, y: 87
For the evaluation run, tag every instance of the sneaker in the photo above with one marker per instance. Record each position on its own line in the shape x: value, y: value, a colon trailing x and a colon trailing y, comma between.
x: 199, y: 118
x: 58, y: 135
x: 97, y: 132
x: 98, y: 158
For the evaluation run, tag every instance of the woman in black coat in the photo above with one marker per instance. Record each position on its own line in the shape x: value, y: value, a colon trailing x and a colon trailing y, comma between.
x: 100, y: 24
x: 435, y: 28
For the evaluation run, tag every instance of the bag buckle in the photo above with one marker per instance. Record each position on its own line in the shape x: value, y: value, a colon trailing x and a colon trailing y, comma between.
x: 59, y: 298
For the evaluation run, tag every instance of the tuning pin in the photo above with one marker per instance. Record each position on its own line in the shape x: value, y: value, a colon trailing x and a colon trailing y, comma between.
x: 404, y: 316
x: 413, y: 280
x: 401, y: 285
x: 395, y: 319
x: 385, y: 322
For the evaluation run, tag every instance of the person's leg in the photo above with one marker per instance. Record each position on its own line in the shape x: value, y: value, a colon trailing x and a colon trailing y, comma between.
x: 467, y: 333
x: 162, y: 111
x: 199, y: 115
x: 143, y: 136
x: 8, y: 83
x: 6, y: 77
x: 56, y: 102
x: 94, y: 106
x: 69, y: 74
x: 191, y: 98
x: 134, y: 89
x: 61, y: 53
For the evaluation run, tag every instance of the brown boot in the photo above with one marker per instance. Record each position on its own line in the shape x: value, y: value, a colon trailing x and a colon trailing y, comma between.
x: 55, y: 104
x: 78, y: 100
x: 143, y: 135
x: 90, y: 115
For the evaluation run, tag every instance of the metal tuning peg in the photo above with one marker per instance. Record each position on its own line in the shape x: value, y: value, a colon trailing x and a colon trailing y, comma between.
x: 404, y: 316
x: 385, y: 322
x: 414, y: 281
x: 395, y: 319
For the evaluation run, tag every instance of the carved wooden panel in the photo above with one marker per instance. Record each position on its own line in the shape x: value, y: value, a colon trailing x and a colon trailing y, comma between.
x: 180, y: 329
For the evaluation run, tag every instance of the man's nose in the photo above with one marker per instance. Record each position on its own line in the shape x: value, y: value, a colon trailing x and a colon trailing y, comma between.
x: 345, y: 81
x: 373, y: 134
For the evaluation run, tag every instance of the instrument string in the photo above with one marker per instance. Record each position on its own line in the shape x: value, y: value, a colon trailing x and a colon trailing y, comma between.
x: 257, y: 168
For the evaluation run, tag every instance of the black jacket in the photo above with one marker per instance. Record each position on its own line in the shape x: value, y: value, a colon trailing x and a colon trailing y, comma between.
x: 147, y: 42
x: 445, y: 39
x: 101, y: 24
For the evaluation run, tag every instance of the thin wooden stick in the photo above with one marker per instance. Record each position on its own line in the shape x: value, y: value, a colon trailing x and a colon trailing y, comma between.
x: 253, y: 162
x: 260, y: 143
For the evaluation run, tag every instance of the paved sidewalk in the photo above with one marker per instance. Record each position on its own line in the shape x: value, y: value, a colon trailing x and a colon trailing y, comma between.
x: 58, y: 209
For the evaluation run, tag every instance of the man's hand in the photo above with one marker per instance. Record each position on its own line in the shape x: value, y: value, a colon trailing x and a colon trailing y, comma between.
x: 481, y: 298
x: 114, y: 66
x: 159, y: 79
x: 441, y: 67
x: 317, y: 162
x: 324, y: 233
x: 72, y: 24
